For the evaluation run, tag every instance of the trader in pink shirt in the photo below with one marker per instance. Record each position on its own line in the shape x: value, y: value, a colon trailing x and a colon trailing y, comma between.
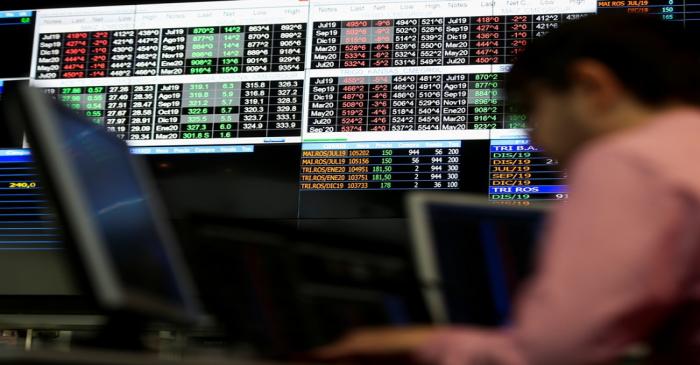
x: 615, y: 99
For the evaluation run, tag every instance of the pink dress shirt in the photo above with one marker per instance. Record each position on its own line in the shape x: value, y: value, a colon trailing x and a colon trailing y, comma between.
x: 621, y: 259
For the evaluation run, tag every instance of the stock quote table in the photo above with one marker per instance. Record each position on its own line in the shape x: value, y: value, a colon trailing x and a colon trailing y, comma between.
x: 26, y: 221
x: 381, y: 165
x: 409, y: 103
x: 520, y: 172
x: 428, y: 41
x: 172, y: 51
x: 191, y: 111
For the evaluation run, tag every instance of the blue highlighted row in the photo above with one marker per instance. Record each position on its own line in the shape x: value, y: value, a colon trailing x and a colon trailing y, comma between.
x: 533, y: 189
x: 15, y: 156
x: 315, y: 146
x: 515, y: 148
x: 15, y: 14
x: 14, y: 152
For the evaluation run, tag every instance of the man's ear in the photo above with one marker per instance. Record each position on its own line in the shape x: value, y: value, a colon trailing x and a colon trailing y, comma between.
x: 595, y: 81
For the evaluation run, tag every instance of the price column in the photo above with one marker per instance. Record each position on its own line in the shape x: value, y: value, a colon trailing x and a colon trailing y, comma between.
x: 488, y: 40
x: 202, y: 49
x: 429, y: 102
x: 257, y: 56
x: 520, y: 172
x: 431, y: 41
x: 356, y: 44
x: 404, y: 105
x: 544, y: 23
x: 71, y: 97
x: 406, y: 40
x: 75, y: 55
x: 352, y: 99
x: 147, y: 50
x: 255, y: 100
x: 285, y: 108
x: 289, y: 47
x: 117, y: 109
x: 197, y: 120
x: 121, y: 53
x: 143, y: 100
x: 486, y: 101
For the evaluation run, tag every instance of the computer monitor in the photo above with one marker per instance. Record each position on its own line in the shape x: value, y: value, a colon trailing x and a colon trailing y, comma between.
x: 471, y: 255
x: 111, y: 216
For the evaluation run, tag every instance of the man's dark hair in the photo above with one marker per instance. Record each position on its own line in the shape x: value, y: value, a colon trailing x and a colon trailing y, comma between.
x: 657, y: 61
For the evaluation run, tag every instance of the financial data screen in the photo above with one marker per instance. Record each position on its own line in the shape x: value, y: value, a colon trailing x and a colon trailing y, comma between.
x: 229, y: 73
x: 292, y: 109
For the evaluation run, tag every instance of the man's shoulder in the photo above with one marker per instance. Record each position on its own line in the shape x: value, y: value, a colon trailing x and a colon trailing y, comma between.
x: 670, y: 131
x: 663, y: 148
